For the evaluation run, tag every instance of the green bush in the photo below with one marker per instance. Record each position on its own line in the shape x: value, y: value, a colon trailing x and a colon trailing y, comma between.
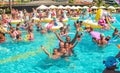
x: 7, y: 10
x: 1, y: 11
x: 71, y: 1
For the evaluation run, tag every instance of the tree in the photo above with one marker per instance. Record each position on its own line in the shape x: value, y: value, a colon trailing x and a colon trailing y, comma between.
x: 71, y: 1
x: 99, y: 2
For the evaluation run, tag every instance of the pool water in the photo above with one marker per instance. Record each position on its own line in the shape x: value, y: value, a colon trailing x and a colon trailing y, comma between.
x: 27, y: 57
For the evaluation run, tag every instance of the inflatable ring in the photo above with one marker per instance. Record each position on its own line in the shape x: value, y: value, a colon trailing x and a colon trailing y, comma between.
x: 16, y: 21
x: 46, y: 20
x: 65, y: 20
x: 3, y: 29
x: 55, y: 27
x: 26, y: 38
x: 91, y: 24
x: 74, y: 18
x: 36, y: 19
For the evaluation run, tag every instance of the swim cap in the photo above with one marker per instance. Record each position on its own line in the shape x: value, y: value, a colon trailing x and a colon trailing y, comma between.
x: 110, y: 61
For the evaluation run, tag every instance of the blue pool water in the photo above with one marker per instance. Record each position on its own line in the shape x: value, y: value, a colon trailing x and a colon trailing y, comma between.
x: 27, y: 57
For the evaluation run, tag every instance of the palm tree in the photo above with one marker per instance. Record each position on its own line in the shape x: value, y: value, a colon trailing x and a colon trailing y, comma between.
x: 71, y: 1
x: 99, y: 2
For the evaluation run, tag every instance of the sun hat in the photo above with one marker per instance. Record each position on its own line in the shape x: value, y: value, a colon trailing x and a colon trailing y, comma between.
x: 110, y: 61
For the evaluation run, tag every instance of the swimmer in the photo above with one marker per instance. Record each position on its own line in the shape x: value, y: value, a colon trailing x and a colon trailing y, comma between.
x: 68, y: 39
x: 39, y: 27
x: 111, y: 64
x: 18, y: 25
x: 43, y: 30
x: 13, y: 33
x: 116, y: 32
x: 64, y: 31
x: 98, y: 37
x: 18, y: 36
x: 31, y: 35
x: 2, y: 37
x: 30, y: 27
x: 78, y: 24
x: 56, y: 54
x: 103, y: 23
x: 95, y: 35
x: 103, y: 41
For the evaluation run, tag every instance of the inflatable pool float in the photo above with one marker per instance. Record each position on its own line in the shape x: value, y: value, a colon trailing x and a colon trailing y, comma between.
x: 91, y: 24
x: 3, y: 29
x: 74, y: 18
x: 16, y: 21
x: 46, y: 20
x: 98, y: 14
x: 55, y: 27
x: 36, y: 19
x: 65, y: 20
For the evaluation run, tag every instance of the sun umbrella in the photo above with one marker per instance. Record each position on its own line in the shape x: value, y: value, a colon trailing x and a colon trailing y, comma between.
x: 85, y: 7
x: 42, y: 7
x: 79, y: 7
x: 73, y: 7
x: 60, y: 7
x: 67, y: 6
x: 111, y: 7
x: 117, y: 7
x: 94, y: 7
x: 53, y: 7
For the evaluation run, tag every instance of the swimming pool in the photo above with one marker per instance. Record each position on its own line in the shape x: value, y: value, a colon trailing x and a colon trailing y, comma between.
x: 27, y: 57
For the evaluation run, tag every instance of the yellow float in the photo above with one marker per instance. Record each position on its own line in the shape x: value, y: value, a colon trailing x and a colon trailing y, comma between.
x: 91, y: 24
x: 16, y: 21
x: 36, y: 19
x: 3, y: 29
x: 65, y: 20
x: 74, y: 18
x: 98, y: 14
x: 46, y: 20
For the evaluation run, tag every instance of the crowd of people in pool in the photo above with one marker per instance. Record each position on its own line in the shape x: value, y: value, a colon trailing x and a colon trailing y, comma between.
x: 65, y: 47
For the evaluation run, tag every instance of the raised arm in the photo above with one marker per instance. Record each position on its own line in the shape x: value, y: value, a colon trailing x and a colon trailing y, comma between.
x: 44, y: 49
x: 118, y: 55
x: 74, y: 45
x: 59, y: 38
x: 74, y: 39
